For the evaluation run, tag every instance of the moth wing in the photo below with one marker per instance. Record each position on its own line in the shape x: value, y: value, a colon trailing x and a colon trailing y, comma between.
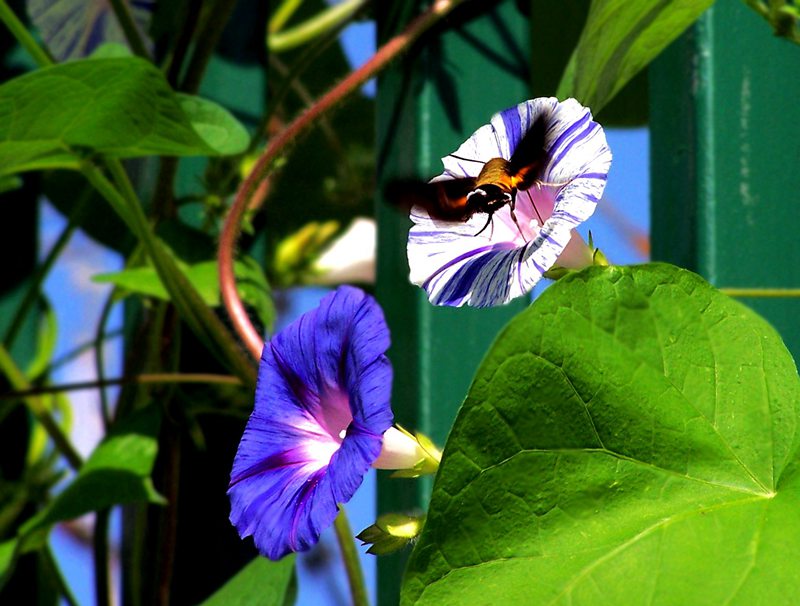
x: 445, y: 199
x: 530, y: 156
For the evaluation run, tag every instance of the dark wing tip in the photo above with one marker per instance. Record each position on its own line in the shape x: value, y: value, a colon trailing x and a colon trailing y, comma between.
x: 441, y: 199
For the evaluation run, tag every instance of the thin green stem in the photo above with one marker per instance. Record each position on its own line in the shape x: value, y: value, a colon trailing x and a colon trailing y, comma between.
x: 78, y: 351
x: 305, y: 97
x: 99, y: 360
x: 52, y: 570
x: 317, y: 25
x: 102, y: 584
x: 23, y: 36
x: 282, y: 14
x: 150, y: 378
x: 173, y: 65
x: 207, y: 40
x: 762, y: 293
x: 352, y: 564
x: 169, y: 527
x: 32, y: 294
x: 164, y: 192
x: 17, y: 380
x: 200, y: 318
x: 129, y: 28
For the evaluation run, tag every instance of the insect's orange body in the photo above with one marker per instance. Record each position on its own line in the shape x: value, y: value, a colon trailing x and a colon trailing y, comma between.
x: 495, y: 186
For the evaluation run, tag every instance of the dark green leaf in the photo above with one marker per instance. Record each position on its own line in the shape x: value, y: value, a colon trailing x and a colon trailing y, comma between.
x: 145, y: 281
x: 9, y: 183
x: 620, y: 38
x: 631, y: 438
x: 261, y: 582
x: 118, y: 471
x: 215, y: 126
x: 8, y: 554
x: 119, y: 107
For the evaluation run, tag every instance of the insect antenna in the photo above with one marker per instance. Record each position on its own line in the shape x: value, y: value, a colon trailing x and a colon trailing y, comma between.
x: 466, y: 159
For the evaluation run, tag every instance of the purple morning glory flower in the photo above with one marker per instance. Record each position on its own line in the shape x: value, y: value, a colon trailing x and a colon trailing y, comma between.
x: 322, y: 418
x: 461, y: 263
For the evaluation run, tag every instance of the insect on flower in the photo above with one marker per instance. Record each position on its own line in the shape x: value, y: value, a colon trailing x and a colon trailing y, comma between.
x: 533, y: 174
x: 495, y: 186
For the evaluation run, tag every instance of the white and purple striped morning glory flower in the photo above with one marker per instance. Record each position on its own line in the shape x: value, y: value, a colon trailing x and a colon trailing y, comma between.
x: 458, y: 264
x: 72, y: 29
x: 322, y: 418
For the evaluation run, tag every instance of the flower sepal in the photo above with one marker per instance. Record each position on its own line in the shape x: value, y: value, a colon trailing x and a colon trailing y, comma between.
x: 391, y: 532
x: 599, y: 258
x: 410, y: 455
x: 596, y: 257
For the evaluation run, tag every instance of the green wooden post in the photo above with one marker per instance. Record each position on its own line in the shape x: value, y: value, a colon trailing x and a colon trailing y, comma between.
x: 724, y: 115
x: 445, y: 89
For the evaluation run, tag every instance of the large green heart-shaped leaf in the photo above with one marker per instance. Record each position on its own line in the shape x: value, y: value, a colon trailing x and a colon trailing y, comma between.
x: 118, y: 107
x: 620, y: 38
x: 631, y: 438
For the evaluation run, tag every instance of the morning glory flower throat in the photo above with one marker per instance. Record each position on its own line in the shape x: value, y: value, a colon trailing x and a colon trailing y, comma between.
x: 486, y: 261
x: 321, y: 419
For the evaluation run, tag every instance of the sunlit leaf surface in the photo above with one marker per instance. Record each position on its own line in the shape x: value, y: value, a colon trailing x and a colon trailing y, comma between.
x: 620, y: 38
x: 631, y: 438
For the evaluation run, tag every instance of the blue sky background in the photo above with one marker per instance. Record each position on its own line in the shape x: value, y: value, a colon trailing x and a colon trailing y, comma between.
x: 76, y: 298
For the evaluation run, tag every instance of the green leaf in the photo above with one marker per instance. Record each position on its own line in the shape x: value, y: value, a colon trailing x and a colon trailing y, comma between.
x: 252, y: 285
x: 620, y: 38
x: 553, y: 47
x: 118, y: 471
x: 8, y: 557
x: 119, y: 107
x: 631, y: 438
x: 261, y: 582
x: 215, y: 126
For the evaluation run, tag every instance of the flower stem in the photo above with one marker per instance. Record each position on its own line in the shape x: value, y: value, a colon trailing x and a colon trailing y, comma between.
x: 231, y: 229
x: 282, y: 14
x: 99, y: 357
x: 102, y: 586
x: 129, y: 28
x: 317, y: 25
x: 23, y: 36
x: 168, y: 532
x: 352, y: 565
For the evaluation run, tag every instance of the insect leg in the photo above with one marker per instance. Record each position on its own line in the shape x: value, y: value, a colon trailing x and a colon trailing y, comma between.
x: 513, y: 205
x: 488, y: 222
